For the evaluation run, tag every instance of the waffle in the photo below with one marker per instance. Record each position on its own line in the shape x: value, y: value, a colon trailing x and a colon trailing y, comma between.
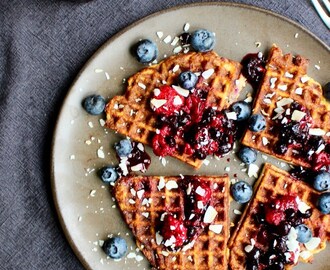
x: 131, y: 115
x: 273, y: 182
x: 285, y: 77
x: 142, y: 213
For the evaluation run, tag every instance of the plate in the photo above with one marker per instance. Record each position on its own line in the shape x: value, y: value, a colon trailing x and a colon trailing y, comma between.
x: 85, y: 207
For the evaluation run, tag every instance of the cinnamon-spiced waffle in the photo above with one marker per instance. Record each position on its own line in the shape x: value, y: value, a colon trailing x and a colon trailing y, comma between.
x: 178, y: 222
x: 296, y: 113
x: 264, y: 237
x: 131, y: 113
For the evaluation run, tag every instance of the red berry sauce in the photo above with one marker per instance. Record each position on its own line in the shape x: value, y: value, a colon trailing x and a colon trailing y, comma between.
x: 295, y: 135
x: 187, y: 125
x: 275, y: 220
x: 137, y: 160
x: 254, y: 68
x: 179, y: 231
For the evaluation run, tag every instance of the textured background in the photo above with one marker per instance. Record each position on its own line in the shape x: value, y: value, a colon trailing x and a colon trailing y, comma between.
x: 43, y: 46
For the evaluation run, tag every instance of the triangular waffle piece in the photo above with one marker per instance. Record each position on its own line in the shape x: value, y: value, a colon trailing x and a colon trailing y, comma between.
x: 286, y: 88
x: 131, y: 114
x: 252, y: 237
x: 148, y: 202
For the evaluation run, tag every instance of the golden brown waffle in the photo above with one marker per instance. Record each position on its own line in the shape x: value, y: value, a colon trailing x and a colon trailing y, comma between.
x: 131, y: 115
x: 143, y: 212
x: 286, y: 77
x: 274, y: 182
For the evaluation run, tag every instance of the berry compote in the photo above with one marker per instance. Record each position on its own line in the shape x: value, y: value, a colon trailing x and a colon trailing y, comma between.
x: 296, y: 135
x: 275, y: 220
x: 254, y: 68
x: 186, y: 124
x: 179, y: 231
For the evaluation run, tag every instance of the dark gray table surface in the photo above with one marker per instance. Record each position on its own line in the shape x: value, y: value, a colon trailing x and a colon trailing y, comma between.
x: 43, y: 45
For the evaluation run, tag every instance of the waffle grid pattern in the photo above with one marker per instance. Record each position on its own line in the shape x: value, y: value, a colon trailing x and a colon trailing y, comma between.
x: 273, y: 182
x: 286, y: 72
x: 209, y: 250
x: 131, y: 115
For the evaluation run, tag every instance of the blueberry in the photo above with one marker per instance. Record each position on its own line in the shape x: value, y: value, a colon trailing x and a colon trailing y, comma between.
x: 123, y: 148
x: 242, y: 109
x: 241, y: 191
x: 326, y: 91
x: 108, y: 174
x: 304, y: 234
x: 202, y: 40
x: 187, y: 80
x: 247, y: 155
x: 324, y: 203
x: 94, y: 104
x: 115, y: 247
x: 146, y: 51
x: 322, y: 181
x: 257, y: 122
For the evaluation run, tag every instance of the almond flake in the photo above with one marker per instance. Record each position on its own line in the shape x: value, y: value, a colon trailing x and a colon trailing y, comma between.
x: 210, y: 214
x: 140, y: 193
x: 137, y: 167
x: 320, y: 149
x: 298, y: 91
x: 131, y: 201
x: 141, y: 85
x: 159, y: 34
x: 176, y: 68
x: 304, y: 79
x: 145, y: 214
x: 177, y: 49
x: 216, y: 228
x: 156, y: 92
x: 265, y: 141
x: 133, y: 192
x: 200, y: 191
x: 100, y: 153
x: 282, y: 87
x: 231, y: 115
x: 272, y: 82
x: 161, y: 183
x: 297, y: 115
x: 317, y: 132
x: 186, y: 27
x: 302, y: 206
x: 200, y: 205
x: 317, y: 67
x: 313, y: 243
x: 171, y: 185
x: 181, y: 91
x: 177, y: 101
x: 175, y: 41
x: 267, y: 101
x: 157, y: 103
x: 253, y: 170
x: 237, y: 212
x: 207, y: 73
x: 159, y: 238
x: 288, y: 75
x: 167, y: 39
x: 284, y: 101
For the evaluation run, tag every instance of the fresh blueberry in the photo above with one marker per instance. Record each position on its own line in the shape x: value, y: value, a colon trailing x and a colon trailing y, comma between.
x: 326, y: 91
x: 322, y: 181
x: 123, y: 148
x: 241, y: 191
x: 94, y: 104
x: 247, y: 155
x: 304, y: 234
x: 324, y: 203
x: 187, y: 80
x: 108, y: 174
x: 257, y: 122
x: 146, y: 51
x: 202, y: 40
x: 242, y: 109
x: 115, y: 247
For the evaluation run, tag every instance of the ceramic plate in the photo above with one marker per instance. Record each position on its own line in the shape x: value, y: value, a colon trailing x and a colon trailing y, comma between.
x: 85, y: 207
